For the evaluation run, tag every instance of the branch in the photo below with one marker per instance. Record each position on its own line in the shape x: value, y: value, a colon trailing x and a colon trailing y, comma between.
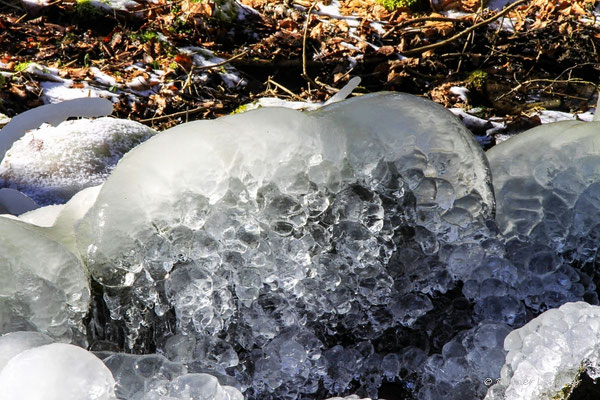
x: 465, y: 32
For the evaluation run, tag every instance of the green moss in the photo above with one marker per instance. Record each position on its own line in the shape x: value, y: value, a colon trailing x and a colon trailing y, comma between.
x: 226, y: 10
x: 392, y: 5
x: 477, y: 80
x: 85, y: 10
x: 180, y: 27
x: 144, y: 36
x: 240, y: 109
x: 22, y: 66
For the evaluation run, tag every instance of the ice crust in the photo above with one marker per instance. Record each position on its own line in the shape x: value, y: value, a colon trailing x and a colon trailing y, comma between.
x: 272, y: 235
x: 548, y: 353
x: 51, y: 164
x: 145, y: 377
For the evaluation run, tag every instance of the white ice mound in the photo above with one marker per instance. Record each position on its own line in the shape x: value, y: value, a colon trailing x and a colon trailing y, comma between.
x: 273, y: 226
x: 548, y: 352
x: 56, y: 372
x: 32, y: 263
x: 14, y: 343
x: 201, y: 162
x: 51, y: 164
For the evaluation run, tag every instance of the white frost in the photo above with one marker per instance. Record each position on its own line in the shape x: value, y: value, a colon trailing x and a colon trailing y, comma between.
x: 51, y: 164
x: 547, y: 353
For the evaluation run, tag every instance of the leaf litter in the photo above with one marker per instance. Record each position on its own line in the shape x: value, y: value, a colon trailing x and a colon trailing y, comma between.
x: 165, y: 62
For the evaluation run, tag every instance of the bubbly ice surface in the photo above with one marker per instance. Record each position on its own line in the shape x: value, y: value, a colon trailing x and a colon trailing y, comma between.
x: 283, y: 243
x: 540, y: 174
x: 43, y: 285
x: 546, y: 184
x: 548, y: 352
x: 153, y: 376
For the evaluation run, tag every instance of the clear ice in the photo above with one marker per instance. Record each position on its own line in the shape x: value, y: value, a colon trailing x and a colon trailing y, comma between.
x: 546, y: 184
x: 298, y: 253
x: 358, y: 250
x: 43, y: 285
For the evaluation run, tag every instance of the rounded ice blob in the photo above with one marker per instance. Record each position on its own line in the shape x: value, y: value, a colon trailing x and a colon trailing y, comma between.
x: 288, y: 233
x: 56, y: 372
x: 540, y: 175
x: 14, y: 343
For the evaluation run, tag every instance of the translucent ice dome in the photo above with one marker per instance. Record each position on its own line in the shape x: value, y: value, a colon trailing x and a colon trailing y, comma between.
x: 547, y: 182
x: 539, y: 176
x: 278, y: 246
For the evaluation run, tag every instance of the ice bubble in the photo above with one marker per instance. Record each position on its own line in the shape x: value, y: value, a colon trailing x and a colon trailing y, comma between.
x: 51, y: 164
x: 549, y: 352
x: 56, y: 371
x: 473, y: 356
x: 277, y: 239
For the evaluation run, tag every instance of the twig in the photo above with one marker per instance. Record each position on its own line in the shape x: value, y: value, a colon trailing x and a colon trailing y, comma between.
x: 188, y: 80
x: 304, y: 35
x: 549, y: 81
x: 418, y: 20
x: 12, y: 5
x: 225, y: 62
x: 175, y: 115
x: 465, y: 32
x: 288, y: 91
x: 305, y: 75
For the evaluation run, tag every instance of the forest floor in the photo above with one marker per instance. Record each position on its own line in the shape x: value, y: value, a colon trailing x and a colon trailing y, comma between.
x: 164, y: 62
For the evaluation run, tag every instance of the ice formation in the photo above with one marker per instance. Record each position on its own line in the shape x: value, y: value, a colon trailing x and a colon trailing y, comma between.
x: 152, y: 376
x: 43, y: 285
x: 11, y: 344
x: 546, y: 182
x: 279, y: 254
x: 275, y: 236
x: 56, y: 371
x: 548, y: 353
x: 52, y: 114
x: 51, y: 164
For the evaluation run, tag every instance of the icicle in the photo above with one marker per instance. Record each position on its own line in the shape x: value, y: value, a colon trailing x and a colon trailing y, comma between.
x: 345, y: 91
